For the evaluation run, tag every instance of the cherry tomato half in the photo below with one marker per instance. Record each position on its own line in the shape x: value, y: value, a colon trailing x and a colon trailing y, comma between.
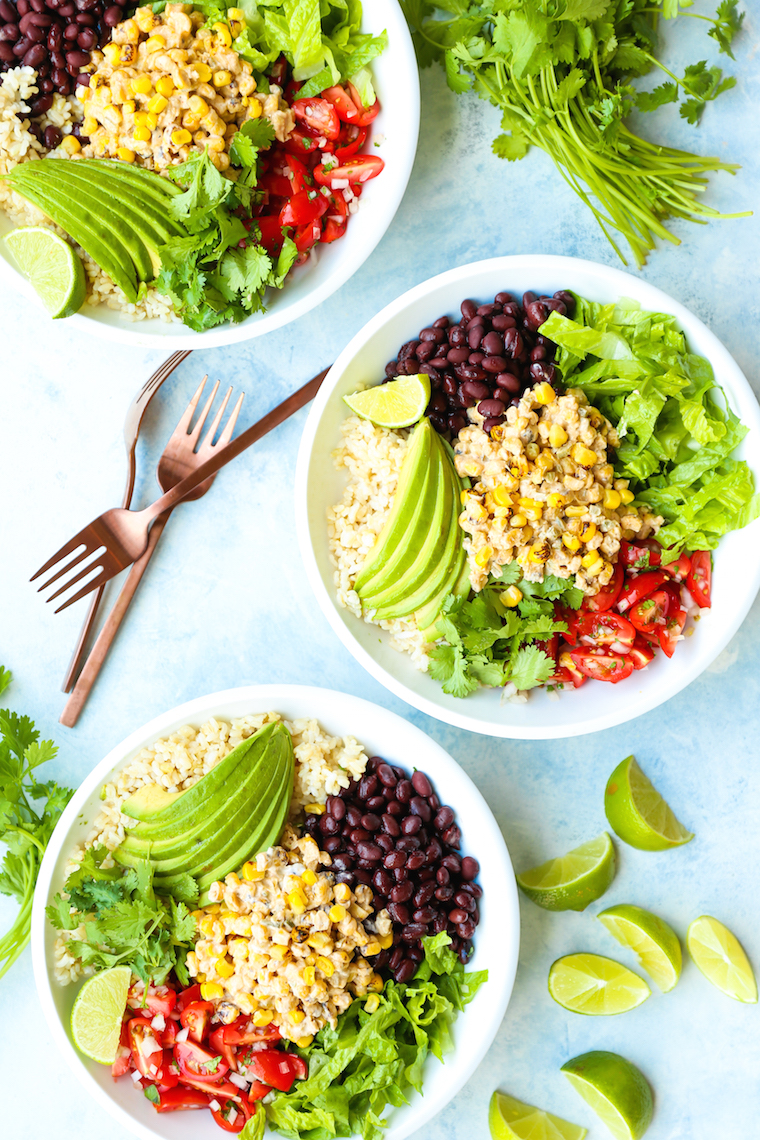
x: 180, y: 1097
x: 303, y: 208
x: 608, y: 594
x: 319, y: 115
x: 232, y: 1115
x: 350, y: 140
x: 196, y: 1062
x: 158, y: 999
x: 219, y: 1043
x: 678, y: 569
x: 699, y: 580
x: 550, y: 647
x: 602, y: 666
x: 336, y: 221
x: 641, y: 555
x: 146, y: 1047
x: 366, y: 114
x: 123, y: 1062
x: 639, y: 587
x: 606, y: 630
x: 670, y: 634
x: 571, y: 618
x: 302, y: 144
x: 195, y: 1017
x: 359, y: 169
x: 271, y: 235
x: 193, y: 993
x: 274, y: 1068
x: 346, y: 109
x: 242, y: 1032
x: 642, y: 653
x: 566, y: 676
x: 650, y: 614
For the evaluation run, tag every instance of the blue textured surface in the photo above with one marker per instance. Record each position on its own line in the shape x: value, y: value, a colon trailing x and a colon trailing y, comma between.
x: 227, y: 603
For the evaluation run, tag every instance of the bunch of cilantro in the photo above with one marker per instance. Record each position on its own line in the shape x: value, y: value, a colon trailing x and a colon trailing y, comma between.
x: 678, y: 433
x: 25, y: 826
x: 486, y: 643
x: 126, y: 923
x: 561, y: 72
x: 373, y: 1060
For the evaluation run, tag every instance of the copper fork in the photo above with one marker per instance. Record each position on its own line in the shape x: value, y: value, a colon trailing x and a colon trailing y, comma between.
x: 180, y: 457
x: 119, y: 537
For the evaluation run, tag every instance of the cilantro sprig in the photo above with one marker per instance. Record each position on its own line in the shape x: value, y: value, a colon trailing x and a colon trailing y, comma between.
x: 25, y: 827
x: 562, y: 73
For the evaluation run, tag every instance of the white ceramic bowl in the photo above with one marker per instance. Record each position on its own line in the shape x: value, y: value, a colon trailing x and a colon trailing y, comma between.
x: 381, y: 732
x: 397, y: 125
x: 318, y: 485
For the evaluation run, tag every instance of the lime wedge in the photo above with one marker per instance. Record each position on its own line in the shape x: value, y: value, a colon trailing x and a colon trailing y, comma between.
x: 637, y: 812
x: 52, y: 266
x: 510, y: 1119
x: 616, y: 1091
x: 97, y: 1014
x: 720, y: 956
x: 397, y: 404
x: 572, y: 881
x: 591, y: 984
x: 652, y: 940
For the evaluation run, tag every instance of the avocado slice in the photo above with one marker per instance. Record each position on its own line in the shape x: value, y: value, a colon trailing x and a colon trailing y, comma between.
x: 414, y: 470
x: 148, y: 800
x: 457, y: 583
x: 105, y: 249
x: 153, y: 206
x: 144, y: 180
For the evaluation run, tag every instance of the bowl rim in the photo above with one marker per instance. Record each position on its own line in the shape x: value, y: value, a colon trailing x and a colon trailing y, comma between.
x: 401, y: 49
x: 337, y: 703
x: 561, y: 268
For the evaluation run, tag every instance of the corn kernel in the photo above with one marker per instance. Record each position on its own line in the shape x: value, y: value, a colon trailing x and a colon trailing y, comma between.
x: 142, y: 134
x: 221, y: 78
x: 254, y: 109
x: 278, y: 952
x: 262, y: 1017
x: 297, y: 1016
x: 557, y: 435
x: 158, y: 104
x: 245, y: 1002
x: 211, y: 990
x: 89, y: 126
x: 575, y: 512
x: 595, y: 569
x: 627, y: 497
x: 571, y: 542
x: 342, y: 893
x: 326, y: 966
x: 511, y: 597
x: 544, y: 393
x: 590, y: 559
x: 556, y: 500
x: 146, y: 20
x: 71, y: 145
x: 224, y: 968
x: 130, y: 30
x: 476, y: 510
x: 141, y: 85
x: 151, y: 121
x: 297, y: 902
x: 612, y: 500
x: 375, y: 983
x: 589, y: 533
x: 519, y: 520
x: 203, y: 71
x: 314, y: 809
x: 309, y: 976
x: 483, y: 557
x: 236, y: 14
x: 386, y: 941
x: 112, y: 53
x: 337, y: 913
x: 83, y: 94
x: 545, y: 461
x: 540, y: 551
x: 206, y: 926
x: 181, y: 137
x: 250, y: 874
x: 304, y: 1042
x: 372, y: 1003
x: 128, y: 107
x: 223, y: 32
x: 501, y: 496
x: 125, y: 154
x: 155, y: 43
x: 372, y: 948
x: 309, y: 878
x: 566, y: 661
x: 165, y: 85
x: 238, y: 948
x: 319, y: 940
x: 584, y: 456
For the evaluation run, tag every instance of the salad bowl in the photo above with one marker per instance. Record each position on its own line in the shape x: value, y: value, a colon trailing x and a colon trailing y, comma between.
x: 394, y: 132
x: 319, y: 485
x: 496, y: 945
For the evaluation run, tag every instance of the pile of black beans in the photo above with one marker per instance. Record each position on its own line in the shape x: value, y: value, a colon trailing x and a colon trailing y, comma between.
x: 487, y: 359
x: 390, y: 831
x: 55, y: 37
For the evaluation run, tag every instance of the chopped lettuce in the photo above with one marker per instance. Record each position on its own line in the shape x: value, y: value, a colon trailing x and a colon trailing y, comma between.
x: 677, y: 431
x: 371, y: 1061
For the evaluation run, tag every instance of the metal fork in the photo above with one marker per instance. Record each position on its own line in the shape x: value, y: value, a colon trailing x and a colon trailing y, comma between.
x: 132, y: 422
x: 179, y: 458
x: 122, y: 535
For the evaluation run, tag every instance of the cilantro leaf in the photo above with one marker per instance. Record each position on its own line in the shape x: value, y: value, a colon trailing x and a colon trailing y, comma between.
x: 727, y: 24
x: 531, y: 667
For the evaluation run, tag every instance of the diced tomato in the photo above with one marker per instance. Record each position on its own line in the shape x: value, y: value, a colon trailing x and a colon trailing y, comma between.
x: 195, y: 1017
x: 181, y: 1097
x: 291, y: 90
x: 272, y: 240
x: 123, y: 1062
x: 608, y: 595
x: 366, y: 114
x: 678, y: 569
x: 276, y: 185
x: 642, y: 653
x: 169, y: 1033
x: 602, y: 666
x: 299, y: 1066
x: 639, y: 587
x: 306, y: 237
x: 335, y: 223
x: 669, y: 634
x: 571, y: 618
x: 359, y: 169
x: 319, y: 115
x: 641, y: 555
x: 158, y: 999
x: 286, y: 175
x: 197, y: 1062
x: 242, y: 1032
x: 550, y: 647
x: 345, y: 107
x: 350, y: 140
x: 220, y: 1088
x: 147, y: 1050
x: 193, y: 993
x: 302, y: 144
x: 232, y: 1115
x: 650, y: 613
x: 606, y: 630
x: 218, y: 1042
x: 568, y: 674
x: 303, y: 208
x: 699, y: 581
x: 258, y: 1091
x: 273, y: 1068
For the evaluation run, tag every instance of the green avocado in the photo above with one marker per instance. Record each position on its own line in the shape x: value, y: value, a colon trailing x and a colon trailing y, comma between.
x: 457, y: 583
x: 415, y: 470
x: 148, y: 800
x: 144, y: 181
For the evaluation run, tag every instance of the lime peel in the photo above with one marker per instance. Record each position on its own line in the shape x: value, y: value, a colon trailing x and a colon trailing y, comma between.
x: 97, y: 1014
x: 638, y: 814
x: 572, y: 881
x: 720, y: 956
x: 397, y: 404
x: 595, y: 986
x: 615, y: 1089
x: 512, y: 1119
x: 655, y: 944
x: 52, y: 266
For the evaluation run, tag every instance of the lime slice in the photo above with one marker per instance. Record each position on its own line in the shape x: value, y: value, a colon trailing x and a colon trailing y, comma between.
x: 52, y: 266
x: 591, y: 984
x: 720, y: 956
x: 572, y: 881
x: 397, y: 404
x: 616, y: 1091
x: 97, y: 1014
x: 638, y: 813
x: 652, y: 940
x: 510, y: 1119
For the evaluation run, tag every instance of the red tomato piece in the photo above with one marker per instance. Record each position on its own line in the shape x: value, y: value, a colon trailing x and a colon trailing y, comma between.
x: 271, y: 234
x: 306, y: 237
x: 550, y: 646
x: 276, y: 185
x: 232, y: 1115
x: 303, y: 208
x: 195, y: 1017
x: 218, y: 1042
x: 680, y: 568
x: 336, y: 221
x: 319, y: 115
x: 198, y: 1063
x: 641, y: 555
x: 359, y: 169
x: 302, y: 144
x: 299, y: 1066
x: 699, y: 580
x: 123, y: 1062
x: 641, y: 653
x: 193, y: 993
x: 346, y: 109
x: 602, y: 666
x: 570, y: 618
x: 258, y: 1091
x: 608, y: 595
x: 565, y: 676
x: 146, y: 1047
x: 670, y: 634
x: 351, y: 140
x: 273, y: 1068
x: 158, y: 999
x: 169, y: 1033
x: 650, y: 614
x: 366, y: 114
x: 174, y: 1099
x: 242, y: 1032
x: 634, y: 589
x: 606, y: 630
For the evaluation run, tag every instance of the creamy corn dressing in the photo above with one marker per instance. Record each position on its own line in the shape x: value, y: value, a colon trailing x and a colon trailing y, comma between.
x: 286, y: 944
x: 544, y: 493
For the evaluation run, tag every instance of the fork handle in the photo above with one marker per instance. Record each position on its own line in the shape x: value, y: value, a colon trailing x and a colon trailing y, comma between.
x: 99, y: 651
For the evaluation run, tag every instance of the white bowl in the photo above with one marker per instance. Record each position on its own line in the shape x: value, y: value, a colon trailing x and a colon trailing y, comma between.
x: 319, y: 484
x: 497, y: 941
x: 397, y: 125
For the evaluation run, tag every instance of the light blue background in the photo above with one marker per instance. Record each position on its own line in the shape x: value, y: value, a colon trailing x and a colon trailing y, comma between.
x: 227, y: 603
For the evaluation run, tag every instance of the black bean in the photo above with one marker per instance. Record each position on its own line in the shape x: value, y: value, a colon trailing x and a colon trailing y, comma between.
x: 437, y: 335
x: 21, y: 47
x: 34, y: 56
x: 442, y: 877
x: 399, y: 912
x: 488, y: 310
x: 46, y: 86
x: 407, y: 350
x: 411, y: 825
x: 491, y: 407
x: 9, y: 34
x: 494, y: 364
x: 370, y: 822
x: 6, y: 53
x: 370, y: 851
x: 376, y: 803
x: 396, y: 958
x: 390, y: 825
x: 391, y: 368
x: 414, y: 931
x: 383, y: 882
x: 444, y: 818
x: 425, y: 893
x: 439, y: 923
x: 346, y: 877
x: 394, y: 860
x: 336, y: 807
x: 401, y: 893
x: 77, y: 60
x: 464, y: 952
x: 407, y: 843
x: 470, y: 869
x: 416, y: 860
x: 444, y: 894
x: 457, y: 915
x: 503, y: 321
x: 342, y: 861
x: 58, y: 60
x: 434, y: 851
x: 353, y: 816
x: 385, y: 842
x: 508, y: 381
x: 452, y: 863
x: 328, y: 825
x: 513, y: 343
x: 542, y: 372
x: 441, y: 323
x: 396, y: 808
x: 400, y: 874
x: 421, y: 807
x: 465, y: 901
x: 466, y: 928
x: 475, y: 336
x: 468, y: 308
x: 457, y: 336
x: 452, y: 837
x: 457, y: 423
x: 427, y: 874
x: 8, y: 13
x: 71, y: 31
x: 359, y: 835
x: 369, y: 786
x: 405, y: 971
x: 363, y: 876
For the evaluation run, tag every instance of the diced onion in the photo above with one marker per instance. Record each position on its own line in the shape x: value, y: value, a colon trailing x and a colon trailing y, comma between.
x: 158, y: 1022
x: 150, y: 1046
x: 183, y: 1034
x: 339, y: 183
x: 233, y: 1115
x: 136, y: 1076
x: 214, y: 1105
x: 239, y: 1081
